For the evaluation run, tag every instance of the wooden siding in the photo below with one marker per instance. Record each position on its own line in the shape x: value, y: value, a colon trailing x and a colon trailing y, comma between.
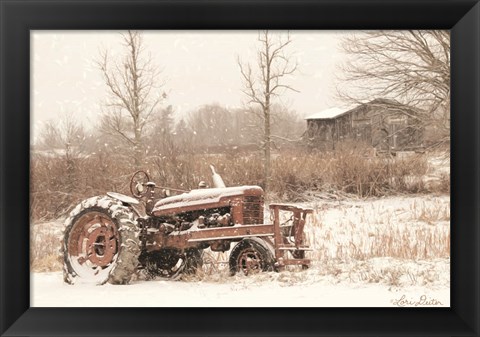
x: 379, y: 125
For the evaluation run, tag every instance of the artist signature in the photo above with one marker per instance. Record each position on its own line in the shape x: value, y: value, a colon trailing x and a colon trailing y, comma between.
x: 423, y: 300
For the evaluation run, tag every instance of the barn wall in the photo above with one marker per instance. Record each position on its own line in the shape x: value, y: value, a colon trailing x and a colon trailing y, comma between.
x: 321, y: 134
x: 343, y: 127
x: 393, y: 129
x: 377, y: 125
x: 361, y: 125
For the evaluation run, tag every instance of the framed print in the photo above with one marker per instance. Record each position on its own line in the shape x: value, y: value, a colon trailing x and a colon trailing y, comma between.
x: 237, y: 168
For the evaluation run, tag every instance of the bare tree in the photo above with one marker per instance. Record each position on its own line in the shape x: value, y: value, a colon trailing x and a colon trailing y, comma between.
x: 286, y: 127
x: 267, y: 82
x: 134, y: 93
x: 213, y: 125
x: 412, y: 67
x: 65, y: 137
x: 66, y: 140
x: 160, y: 137
x: 184, y: 138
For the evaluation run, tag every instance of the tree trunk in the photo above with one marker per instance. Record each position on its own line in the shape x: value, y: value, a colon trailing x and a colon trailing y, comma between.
x: 138, y: 148
x: 267, y: 149
x: 267, y: 157
x: 273, y: 66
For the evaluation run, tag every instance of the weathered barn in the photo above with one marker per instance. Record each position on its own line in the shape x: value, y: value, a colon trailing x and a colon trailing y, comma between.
x: 384, y: 124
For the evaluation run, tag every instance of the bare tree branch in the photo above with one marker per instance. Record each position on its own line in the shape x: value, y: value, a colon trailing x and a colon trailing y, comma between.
x: 134, y: 92
x: 262, y: 86
x: 412, y: 67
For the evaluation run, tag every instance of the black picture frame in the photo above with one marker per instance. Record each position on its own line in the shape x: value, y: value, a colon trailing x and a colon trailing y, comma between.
x: 18, y: 17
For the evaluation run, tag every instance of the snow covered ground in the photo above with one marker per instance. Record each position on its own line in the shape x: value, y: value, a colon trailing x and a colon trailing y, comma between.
x: 366, y: 253
x: 49, y: 291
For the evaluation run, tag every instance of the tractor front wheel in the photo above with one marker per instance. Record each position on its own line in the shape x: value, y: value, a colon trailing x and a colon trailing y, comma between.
x: 251, y: 256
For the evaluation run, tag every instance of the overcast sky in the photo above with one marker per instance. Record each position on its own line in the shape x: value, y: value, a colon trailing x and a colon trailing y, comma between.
x: 199, y: 67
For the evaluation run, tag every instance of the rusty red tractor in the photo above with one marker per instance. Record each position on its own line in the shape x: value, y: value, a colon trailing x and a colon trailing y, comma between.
x: 110, y: 238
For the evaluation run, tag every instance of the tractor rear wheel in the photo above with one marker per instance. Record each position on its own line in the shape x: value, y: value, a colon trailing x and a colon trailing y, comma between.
x: 100, y: 242
x: 251, y: 256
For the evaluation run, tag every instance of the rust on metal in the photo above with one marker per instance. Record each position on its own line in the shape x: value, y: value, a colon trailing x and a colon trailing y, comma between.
x: 93, y: 238
x: 186, y: 239
x: 174, y: 229
x: 282, y: 244
x: 250, y: 261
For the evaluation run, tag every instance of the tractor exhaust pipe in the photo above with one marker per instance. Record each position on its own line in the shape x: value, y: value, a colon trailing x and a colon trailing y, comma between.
x: 217, y: 179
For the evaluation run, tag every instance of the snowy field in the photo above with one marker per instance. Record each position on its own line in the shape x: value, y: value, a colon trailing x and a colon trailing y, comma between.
x: 381, y: 252
x: 49, y: 291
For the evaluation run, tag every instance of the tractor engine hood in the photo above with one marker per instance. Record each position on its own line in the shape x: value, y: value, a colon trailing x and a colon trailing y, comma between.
x: 203, y: 199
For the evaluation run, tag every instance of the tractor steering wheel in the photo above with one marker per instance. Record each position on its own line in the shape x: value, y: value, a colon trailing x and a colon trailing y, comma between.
x: 138, y: 183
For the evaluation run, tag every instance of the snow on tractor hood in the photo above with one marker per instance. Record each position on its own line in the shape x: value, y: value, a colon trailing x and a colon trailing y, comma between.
x: 202, y: 197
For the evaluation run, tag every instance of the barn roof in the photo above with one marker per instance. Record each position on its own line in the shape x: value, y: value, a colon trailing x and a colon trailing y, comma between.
x: 329, y: 113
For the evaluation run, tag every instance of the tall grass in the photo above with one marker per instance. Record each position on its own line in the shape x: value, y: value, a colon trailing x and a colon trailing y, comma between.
x: 417, y: 231
x: 57, y: 184
x: 44, y: 249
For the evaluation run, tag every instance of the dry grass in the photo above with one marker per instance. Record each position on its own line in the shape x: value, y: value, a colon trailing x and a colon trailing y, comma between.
x: 57, y: 185
x: 44, y: 249
x: 392, y: 272
x: 417, y: 229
